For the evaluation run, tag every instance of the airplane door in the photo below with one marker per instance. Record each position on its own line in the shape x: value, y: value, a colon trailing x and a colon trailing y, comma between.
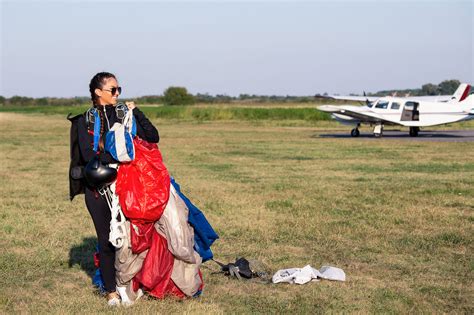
x: 410, y: 112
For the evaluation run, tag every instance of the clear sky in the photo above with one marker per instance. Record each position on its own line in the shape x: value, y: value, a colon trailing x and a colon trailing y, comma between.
x: 53, y: 48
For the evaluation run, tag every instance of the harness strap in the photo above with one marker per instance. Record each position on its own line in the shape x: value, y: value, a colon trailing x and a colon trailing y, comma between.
x: 96, y: 130
x: 118, y: 231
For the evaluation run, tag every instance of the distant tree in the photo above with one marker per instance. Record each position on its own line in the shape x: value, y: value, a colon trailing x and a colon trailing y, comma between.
x: 429, y: 89
x: 150, y: 99
x: 204, y: 98
x: 2, y: 100
x: 448, y: 87
x: 21, y: 100
x: 222, y: 98
x: 175, y: 95
x: 41, y: 101
x: 244, y: 96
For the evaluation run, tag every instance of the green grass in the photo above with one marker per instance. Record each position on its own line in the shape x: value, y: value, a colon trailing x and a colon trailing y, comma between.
x: 48, y: 110
x: 396, y: 215
x: 198, y: 113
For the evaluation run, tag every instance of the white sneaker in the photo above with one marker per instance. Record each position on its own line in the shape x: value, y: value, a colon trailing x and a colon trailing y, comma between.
x: 126, y: 301
x: 113, y: 299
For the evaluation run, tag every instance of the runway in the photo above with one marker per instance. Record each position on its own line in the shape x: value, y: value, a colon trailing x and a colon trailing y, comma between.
x: 424, y: 135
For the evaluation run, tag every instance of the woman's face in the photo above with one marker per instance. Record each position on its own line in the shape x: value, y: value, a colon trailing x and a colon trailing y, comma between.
x: 109, y: 92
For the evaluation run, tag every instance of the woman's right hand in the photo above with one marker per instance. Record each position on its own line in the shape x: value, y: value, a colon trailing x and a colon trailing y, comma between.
x: 130, y: 105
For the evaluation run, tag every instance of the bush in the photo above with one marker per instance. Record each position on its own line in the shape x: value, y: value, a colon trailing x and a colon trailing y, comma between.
x: 175, y: 95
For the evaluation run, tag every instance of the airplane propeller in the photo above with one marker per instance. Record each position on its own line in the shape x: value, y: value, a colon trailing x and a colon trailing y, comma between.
x: 367, y: 102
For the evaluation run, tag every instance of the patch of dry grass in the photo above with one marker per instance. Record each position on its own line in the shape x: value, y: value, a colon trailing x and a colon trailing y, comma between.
x: 396, y: 216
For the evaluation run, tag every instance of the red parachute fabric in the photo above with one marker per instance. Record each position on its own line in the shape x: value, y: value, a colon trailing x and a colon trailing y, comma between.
x: 143, y: 185
x: 143, y: 188
x: 141, y: 236
x: 96, y: 259
x: 155, y: 275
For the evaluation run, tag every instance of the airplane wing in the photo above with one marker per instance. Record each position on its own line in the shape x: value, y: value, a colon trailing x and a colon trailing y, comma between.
x: 358, y: 113
x: 429, y: 98
x: 349, y: 98
x: 460, y: 94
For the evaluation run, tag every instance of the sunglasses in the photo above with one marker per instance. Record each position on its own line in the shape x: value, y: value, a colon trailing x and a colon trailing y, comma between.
x: 114, y: 90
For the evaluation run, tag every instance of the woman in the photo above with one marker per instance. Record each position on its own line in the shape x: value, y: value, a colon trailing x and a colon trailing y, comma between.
x: 105, y: 91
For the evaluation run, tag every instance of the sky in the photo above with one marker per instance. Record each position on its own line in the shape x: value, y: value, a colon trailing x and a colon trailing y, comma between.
x: 53, y: 48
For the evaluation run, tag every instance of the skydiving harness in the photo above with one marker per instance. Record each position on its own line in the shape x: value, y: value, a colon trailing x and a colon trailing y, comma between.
x: 117, y: 223
x: 245, y: 269
x: 93, y: 121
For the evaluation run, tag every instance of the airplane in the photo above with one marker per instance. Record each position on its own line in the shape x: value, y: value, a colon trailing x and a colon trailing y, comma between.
x: 413, y: 112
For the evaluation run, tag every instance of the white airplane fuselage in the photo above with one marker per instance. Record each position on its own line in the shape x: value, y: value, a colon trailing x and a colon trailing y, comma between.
x: 403, y: 111
x: 405, y: 114
x: 412, y: 112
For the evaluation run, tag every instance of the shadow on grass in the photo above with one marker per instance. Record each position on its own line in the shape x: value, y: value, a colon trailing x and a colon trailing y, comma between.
x: 83, y: 255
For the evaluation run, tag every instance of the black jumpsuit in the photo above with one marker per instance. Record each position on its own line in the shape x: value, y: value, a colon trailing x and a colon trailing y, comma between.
x: 96, y: 204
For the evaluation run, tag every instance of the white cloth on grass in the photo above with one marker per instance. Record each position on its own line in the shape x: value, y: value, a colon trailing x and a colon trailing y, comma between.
x: 307, y: 274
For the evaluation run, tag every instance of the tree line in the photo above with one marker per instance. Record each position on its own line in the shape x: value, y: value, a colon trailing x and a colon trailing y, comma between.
x: 446, y: 87
x: 175, y: 95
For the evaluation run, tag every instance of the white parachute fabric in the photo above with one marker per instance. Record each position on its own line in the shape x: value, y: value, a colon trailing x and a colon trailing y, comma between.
x: 173, y: 225
x: 332, y: 273
x: 307, y: 274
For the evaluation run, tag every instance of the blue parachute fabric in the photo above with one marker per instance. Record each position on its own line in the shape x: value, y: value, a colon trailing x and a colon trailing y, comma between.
x: 97, y: 278
x: 98, y: 282
x: 134, y: 127
x: 96, y: 130
x: 204, y: 234
x: 119, y: 142
x: 110, y: 144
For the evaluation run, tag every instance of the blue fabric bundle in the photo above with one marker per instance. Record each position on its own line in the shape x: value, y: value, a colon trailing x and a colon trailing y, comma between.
x: 98, y: 282
x: 119, y: 139
x: 204, y: 234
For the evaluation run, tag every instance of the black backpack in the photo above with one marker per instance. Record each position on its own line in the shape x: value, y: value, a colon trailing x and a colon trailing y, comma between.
x: 76, y: 167
x: 246, y: 269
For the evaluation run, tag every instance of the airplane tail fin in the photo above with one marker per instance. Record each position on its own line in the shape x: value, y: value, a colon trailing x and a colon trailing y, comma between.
x: 461, y: 93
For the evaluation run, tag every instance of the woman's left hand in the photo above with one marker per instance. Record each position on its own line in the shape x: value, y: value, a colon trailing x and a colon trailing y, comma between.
x: 130, y: 105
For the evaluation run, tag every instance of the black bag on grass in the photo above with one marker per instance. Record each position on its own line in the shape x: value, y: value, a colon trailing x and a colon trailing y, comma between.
x: 243, y: 268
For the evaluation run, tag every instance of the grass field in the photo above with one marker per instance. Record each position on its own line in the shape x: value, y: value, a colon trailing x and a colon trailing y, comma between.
x: 396, y: 216
x: 201, y: 112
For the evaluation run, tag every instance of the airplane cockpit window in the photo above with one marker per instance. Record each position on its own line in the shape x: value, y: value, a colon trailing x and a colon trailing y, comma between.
x: 395, y: 105
x: 410, y: 105
x: 382, y: 104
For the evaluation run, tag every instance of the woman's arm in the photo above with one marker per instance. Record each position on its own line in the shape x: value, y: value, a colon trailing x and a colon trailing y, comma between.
x: 145, y: 128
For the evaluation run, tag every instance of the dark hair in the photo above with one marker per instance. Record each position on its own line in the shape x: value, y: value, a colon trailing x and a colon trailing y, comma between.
x: 97, y: 82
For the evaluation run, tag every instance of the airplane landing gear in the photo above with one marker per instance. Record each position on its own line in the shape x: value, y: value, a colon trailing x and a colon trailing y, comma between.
x: 378, y: 130
x: 414, y: 131
x: 355, y: 132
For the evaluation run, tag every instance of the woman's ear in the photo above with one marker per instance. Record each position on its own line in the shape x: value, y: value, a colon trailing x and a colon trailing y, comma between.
x: 98, y: 92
